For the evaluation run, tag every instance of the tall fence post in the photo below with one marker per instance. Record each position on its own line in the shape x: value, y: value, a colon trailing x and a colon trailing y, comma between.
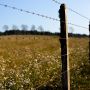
x: 64, y: 48
x: 89, y: 41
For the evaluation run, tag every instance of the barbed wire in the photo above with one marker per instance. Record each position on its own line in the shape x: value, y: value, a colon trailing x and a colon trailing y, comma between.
x: 79, y: 14
x: 56, y: 2
x: 41, y: 15
x: 75, y: 25
x: 78, y: 26
x: 54, y: 20
x: 74, y: 67
x: 22, y: 10
x: 73, y: 10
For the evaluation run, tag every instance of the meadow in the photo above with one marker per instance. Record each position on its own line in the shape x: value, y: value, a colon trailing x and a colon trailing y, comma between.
x: 33, y: 62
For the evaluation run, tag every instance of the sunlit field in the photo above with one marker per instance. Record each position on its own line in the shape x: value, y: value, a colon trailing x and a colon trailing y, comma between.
x: 34, y: 63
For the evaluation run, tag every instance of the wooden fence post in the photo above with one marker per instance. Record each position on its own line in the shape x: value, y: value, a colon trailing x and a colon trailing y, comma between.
x: 89, y: 41
x: 64, y: 48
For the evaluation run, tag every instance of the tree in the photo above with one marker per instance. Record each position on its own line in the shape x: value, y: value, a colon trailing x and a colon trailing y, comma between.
x: 14, y: 27
x: 40, y: 28
x: 24, y: 27
x: 5, y: 27
x: 71, y: 29
x: 33, y: 28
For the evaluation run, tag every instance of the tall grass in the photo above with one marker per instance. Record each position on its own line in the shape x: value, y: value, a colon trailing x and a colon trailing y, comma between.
x: 34, y: 62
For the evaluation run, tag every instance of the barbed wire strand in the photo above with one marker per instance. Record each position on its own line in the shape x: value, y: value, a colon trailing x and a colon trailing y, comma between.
x: 52, y: 19
x: 22, y: 10
x: 75, y: 25
x: 41, y: 15
x: 73, y: 10
x: 56, y: 2
x: 79, y: 26
x: 54, y: 78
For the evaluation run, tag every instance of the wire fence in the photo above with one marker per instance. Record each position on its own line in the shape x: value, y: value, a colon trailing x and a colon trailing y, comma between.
x: 54, y: 19
x: 41, y: 15
x: 73, y: 10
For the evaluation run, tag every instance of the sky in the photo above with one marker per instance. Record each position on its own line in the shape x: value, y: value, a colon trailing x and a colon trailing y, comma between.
x: 46, y: 7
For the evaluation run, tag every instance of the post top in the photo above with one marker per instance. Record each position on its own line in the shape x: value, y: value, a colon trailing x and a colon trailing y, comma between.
x: 63, y: 4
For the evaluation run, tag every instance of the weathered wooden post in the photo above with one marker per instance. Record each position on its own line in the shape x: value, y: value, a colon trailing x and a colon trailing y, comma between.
x: 64, y: 48
x: 89, y: 41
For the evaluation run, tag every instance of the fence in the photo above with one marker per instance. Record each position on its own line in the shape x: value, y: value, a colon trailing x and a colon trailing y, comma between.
x: 63, y: 39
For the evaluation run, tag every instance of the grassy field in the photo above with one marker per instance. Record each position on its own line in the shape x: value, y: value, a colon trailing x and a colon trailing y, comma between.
x: 34, y: 63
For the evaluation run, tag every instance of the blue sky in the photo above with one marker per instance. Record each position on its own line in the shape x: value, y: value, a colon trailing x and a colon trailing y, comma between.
x: 47, y: 7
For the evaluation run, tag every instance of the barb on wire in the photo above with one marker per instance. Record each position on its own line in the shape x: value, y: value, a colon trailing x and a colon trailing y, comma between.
x: 73, y: 10
x: 43, y: 16
x: 56, y: 2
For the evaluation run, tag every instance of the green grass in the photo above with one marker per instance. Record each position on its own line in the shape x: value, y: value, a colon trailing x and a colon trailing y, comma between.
x: 34, y: 62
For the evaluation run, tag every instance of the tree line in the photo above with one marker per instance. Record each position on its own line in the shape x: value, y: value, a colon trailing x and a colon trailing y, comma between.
x: 33, y: 31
